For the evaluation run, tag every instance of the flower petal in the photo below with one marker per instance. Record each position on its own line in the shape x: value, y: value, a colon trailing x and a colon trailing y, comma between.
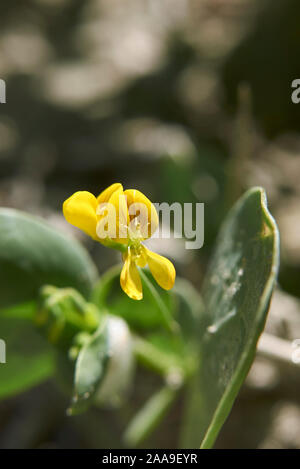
x: 162, y: 269
x: 140, y: 206
x: 130, y: 279
x: 80, y: 211
x: 121, y: 218
x: 107, y: 193
x: 141, y: 259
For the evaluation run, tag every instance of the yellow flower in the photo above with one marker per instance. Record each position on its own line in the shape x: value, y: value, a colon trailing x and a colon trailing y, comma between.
x: 122, y: 220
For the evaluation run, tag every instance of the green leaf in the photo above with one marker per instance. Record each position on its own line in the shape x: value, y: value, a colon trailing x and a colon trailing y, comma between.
x: 189, y: 309
x: 29, y: 360
x: 33, y: 254
x: 236, y: 296
x: 90, y: 370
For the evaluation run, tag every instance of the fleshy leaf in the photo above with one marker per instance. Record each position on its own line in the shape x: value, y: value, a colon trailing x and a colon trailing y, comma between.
x: 29, y: 359
x: 33, y: 254
x: 90, y: 370
x: 236, y: 296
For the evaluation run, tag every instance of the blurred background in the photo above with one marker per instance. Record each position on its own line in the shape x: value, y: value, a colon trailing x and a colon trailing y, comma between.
x: 186, y: 100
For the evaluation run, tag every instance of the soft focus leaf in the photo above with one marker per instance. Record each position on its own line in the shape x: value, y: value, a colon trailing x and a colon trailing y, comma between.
x: 33, y: 254
x: 90, y: 369
x: 189, y: 309
x: 29, y: 360
x: 236, y: 297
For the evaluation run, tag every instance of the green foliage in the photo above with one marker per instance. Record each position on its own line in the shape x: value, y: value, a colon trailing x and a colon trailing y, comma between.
x: 165, y: 354
x: 62, y: 314
x: 30, y: 360
x: 236, y: 296
x: 33, y: 254
x: 90, y: 369
x: 142, y: 315
x: 206, y: 343
x: 159, y: 342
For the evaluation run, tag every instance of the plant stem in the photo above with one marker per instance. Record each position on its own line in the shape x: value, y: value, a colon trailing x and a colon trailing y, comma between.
x: 25, y: 311
x: 150, y: 357
x: 169, y: 321
x: 149, y: 416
